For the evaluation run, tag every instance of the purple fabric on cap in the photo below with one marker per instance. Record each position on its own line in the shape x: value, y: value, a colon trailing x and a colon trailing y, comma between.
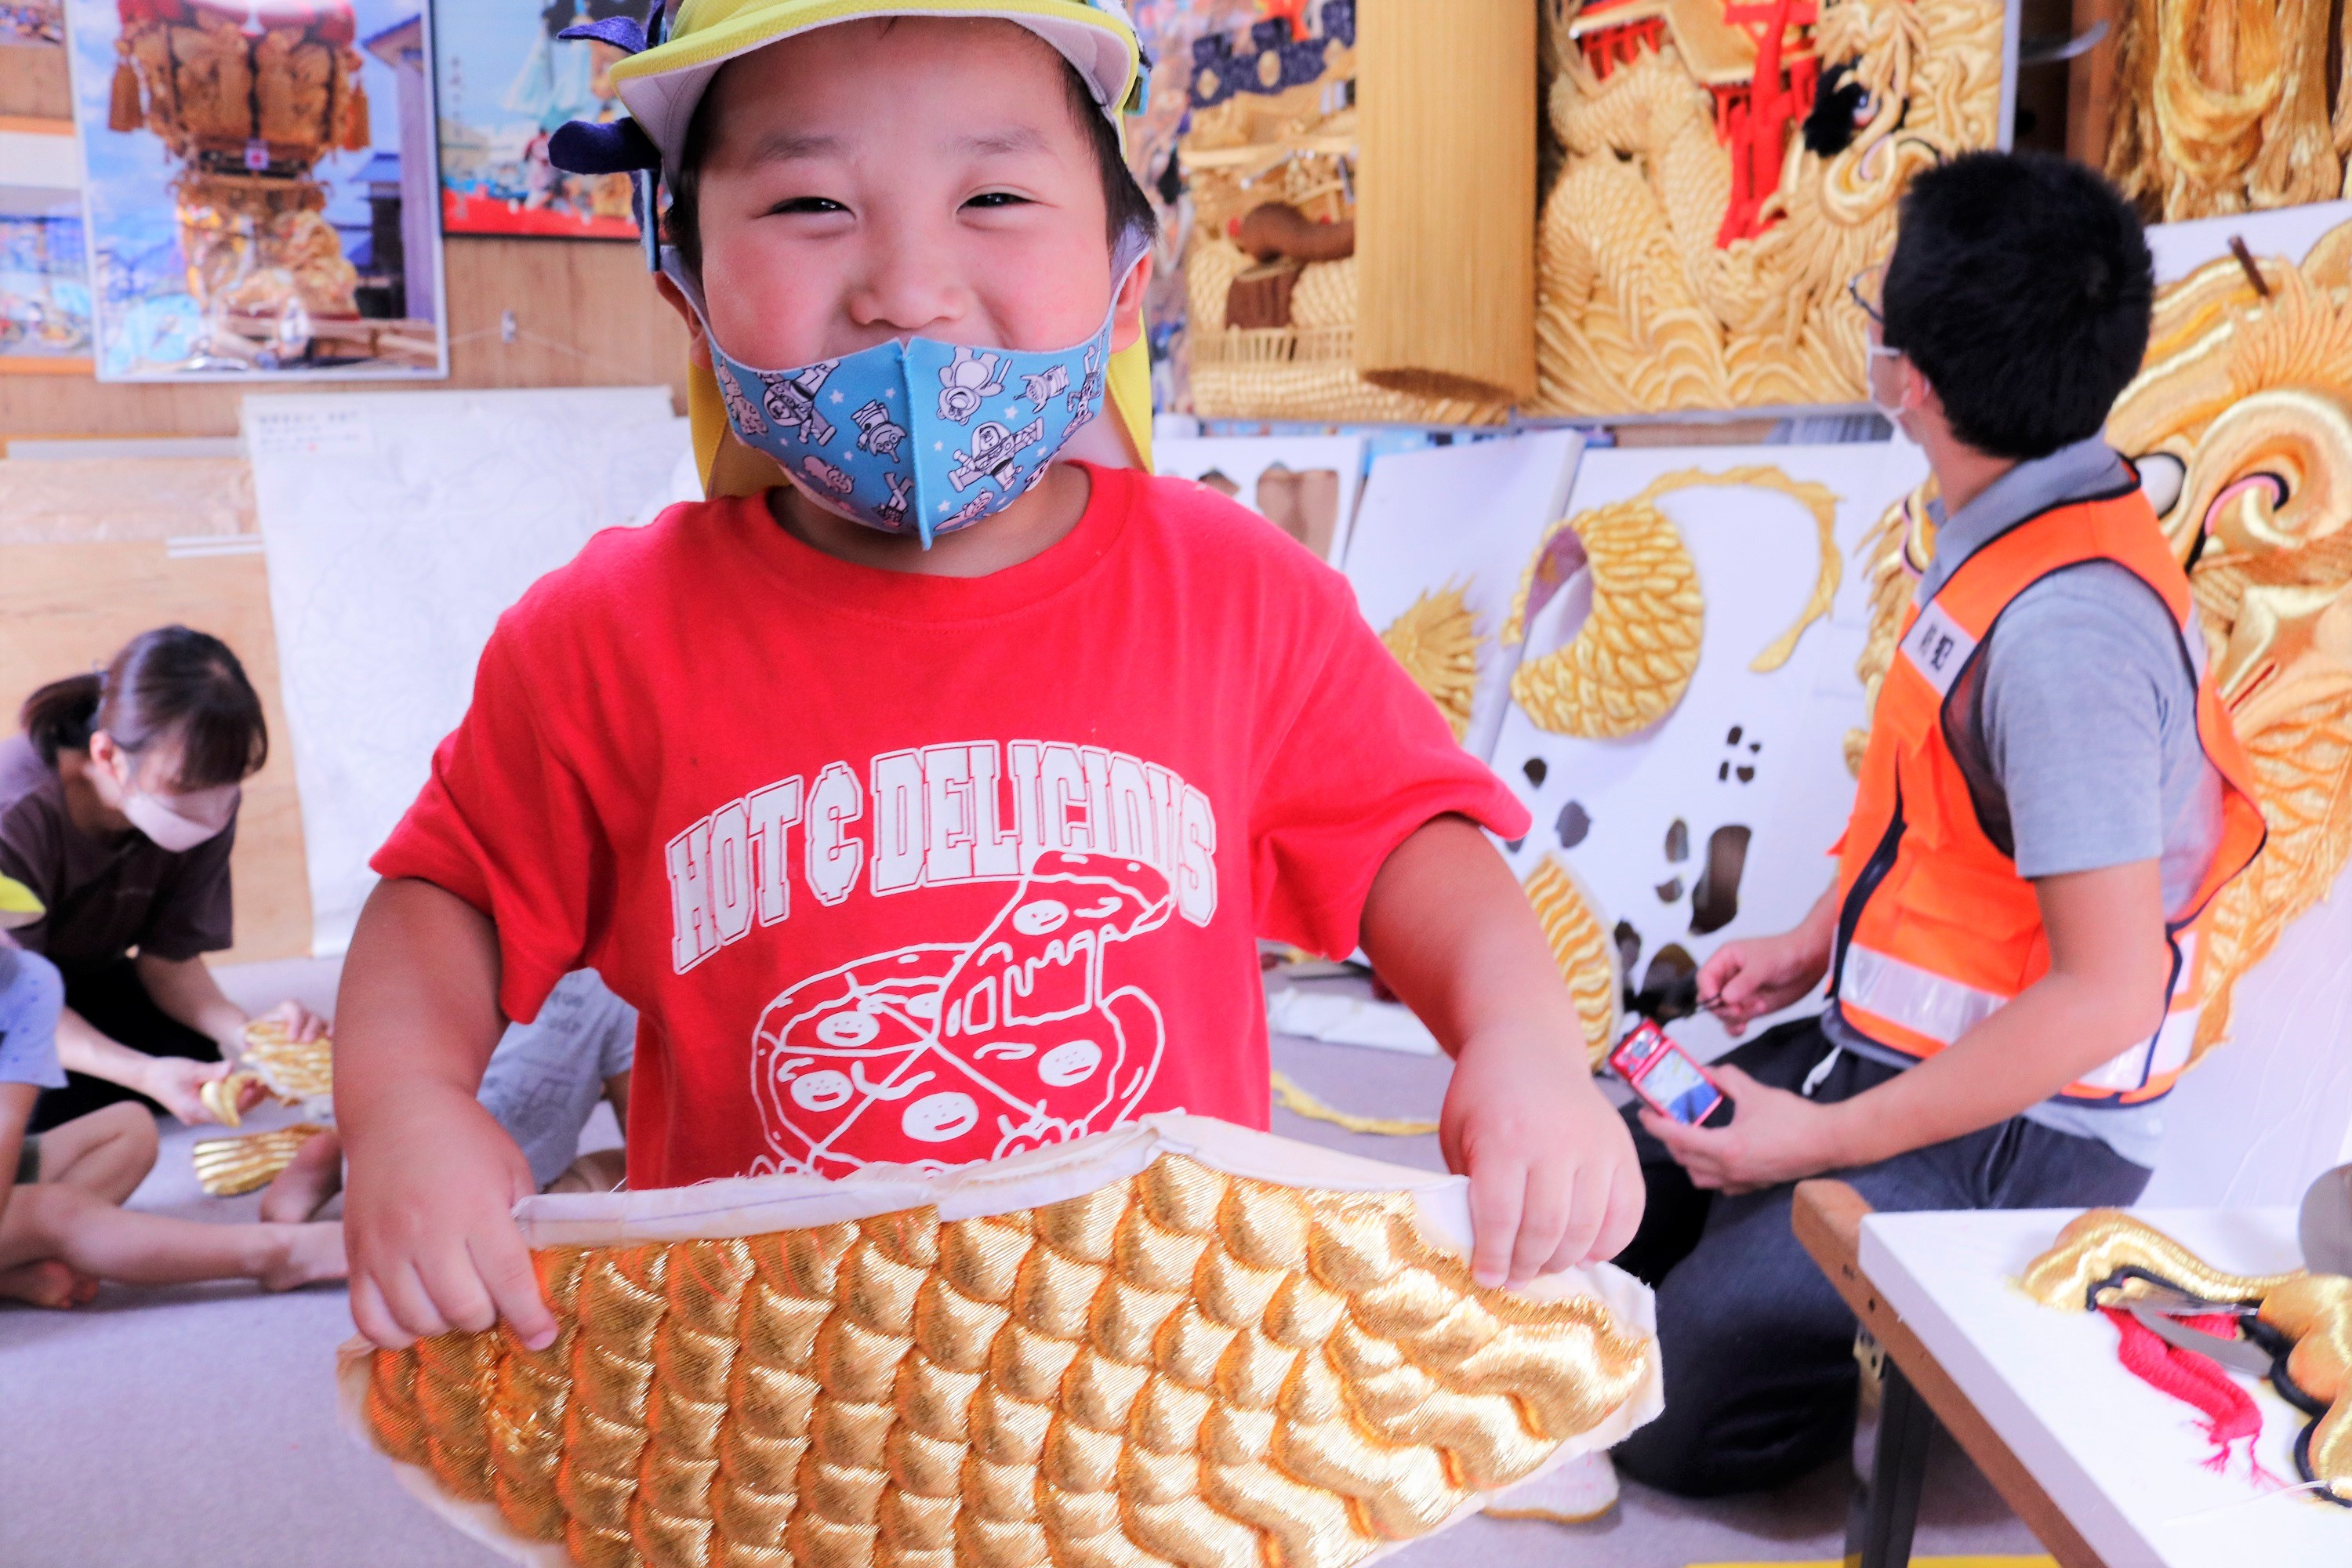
x: 607, y: 147
x: 623, y: 33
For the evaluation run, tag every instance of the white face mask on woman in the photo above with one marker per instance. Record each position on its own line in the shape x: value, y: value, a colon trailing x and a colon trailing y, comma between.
x: 180, y: 822
x: 177, y: 823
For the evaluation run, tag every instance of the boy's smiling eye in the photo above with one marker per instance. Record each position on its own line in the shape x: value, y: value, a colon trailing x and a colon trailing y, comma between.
x: 808, y: 205
x: 997, y: 199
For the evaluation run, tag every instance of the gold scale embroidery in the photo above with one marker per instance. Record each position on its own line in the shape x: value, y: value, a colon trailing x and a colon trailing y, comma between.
x: 1183, y: 1366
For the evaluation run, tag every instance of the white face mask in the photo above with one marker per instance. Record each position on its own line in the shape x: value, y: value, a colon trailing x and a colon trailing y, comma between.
x: 1892, y: 411
x: 179, y: 823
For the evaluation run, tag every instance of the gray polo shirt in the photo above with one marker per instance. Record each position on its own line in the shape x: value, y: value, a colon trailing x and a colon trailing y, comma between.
x: 2087, y: 715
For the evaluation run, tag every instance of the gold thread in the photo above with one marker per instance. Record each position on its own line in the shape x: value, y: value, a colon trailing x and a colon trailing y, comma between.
x: 1580, y: 945
x: 1437, y: 642
x: 1630, y: 661
x: 1059, y: 1384
x: 229, y: 1167
x: 1298, y: 1102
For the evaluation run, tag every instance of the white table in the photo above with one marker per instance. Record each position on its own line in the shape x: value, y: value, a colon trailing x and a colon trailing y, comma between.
x: 2122, y: 1463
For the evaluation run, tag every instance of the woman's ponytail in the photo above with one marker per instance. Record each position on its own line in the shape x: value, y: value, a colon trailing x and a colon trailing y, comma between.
x: 60, y: 715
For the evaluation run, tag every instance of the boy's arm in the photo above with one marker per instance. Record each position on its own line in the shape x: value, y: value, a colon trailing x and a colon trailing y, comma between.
x: 1552, y: 1178
x: 432, y: 1176
x: 2108, y: 965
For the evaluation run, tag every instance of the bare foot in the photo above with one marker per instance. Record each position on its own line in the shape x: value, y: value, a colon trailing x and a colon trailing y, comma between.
x: 47, y: 1283
x: 303, y: 1187
x: 309, y: 1255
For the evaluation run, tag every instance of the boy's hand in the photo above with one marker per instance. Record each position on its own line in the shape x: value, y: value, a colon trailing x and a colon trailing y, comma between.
x: 1553, y: 1182
x: 1774, y: 1137
x: 434, y: 1247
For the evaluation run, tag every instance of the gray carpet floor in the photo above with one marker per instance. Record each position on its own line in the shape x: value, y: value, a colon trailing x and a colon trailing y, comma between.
x: 195, y: 1428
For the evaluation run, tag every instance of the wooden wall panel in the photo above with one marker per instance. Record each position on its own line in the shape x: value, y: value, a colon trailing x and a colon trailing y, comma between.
x: 66, y: 606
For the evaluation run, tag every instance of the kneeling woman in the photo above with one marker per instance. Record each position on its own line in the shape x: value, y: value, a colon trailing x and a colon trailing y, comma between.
x: 118, y: 808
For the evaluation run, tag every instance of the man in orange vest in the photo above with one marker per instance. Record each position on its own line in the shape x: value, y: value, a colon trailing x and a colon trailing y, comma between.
x: 2051, y: 797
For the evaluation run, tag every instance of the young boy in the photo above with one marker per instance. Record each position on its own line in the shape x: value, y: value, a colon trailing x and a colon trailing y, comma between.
x: 926, y: 806
x: 2052, y: 796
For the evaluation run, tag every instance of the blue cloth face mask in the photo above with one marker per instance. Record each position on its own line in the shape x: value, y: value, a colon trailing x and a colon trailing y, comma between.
x: 915, y: 436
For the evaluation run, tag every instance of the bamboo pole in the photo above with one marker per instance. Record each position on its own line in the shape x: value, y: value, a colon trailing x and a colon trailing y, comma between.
x: 1445, y: 197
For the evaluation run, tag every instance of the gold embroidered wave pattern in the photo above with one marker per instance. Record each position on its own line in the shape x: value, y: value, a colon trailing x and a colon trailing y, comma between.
x: 1181, y: 1367
x: 1582, y: 947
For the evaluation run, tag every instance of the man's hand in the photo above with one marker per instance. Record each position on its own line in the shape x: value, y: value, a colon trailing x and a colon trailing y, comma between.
x: 176, y: 1083
x: 1774, y: 1137
x: 426, y: 1219
x: 1744, y: 980
x: 1553, y: 1180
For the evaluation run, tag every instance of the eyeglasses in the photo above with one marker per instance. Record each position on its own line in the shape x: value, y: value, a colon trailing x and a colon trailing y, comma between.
x: 1867, y: 290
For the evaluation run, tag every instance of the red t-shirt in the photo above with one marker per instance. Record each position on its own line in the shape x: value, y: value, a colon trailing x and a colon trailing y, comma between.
x: 927, y: 869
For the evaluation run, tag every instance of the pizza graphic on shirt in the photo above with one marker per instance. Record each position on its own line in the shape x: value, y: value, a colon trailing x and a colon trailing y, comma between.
x: 943, y: 1053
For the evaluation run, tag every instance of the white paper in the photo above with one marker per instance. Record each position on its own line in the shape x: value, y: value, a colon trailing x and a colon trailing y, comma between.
x: 2261, y: 1116
x: 1758, y: 556
x: 1244, y: 459
x: 1339, y: 1019
x: 399, y: 525
x: 1468, y: 516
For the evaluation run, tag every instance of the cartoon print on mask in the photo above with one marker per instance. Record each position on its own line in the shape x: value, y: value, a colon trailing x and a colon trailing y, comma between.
x: 876, y: 434
x: 974, y: 1050
x: 994, y: 451
x: 902, y: 497
x: 742, y: 410
x: 827, y: 476
x: 1082, y: 402
x: 791, y: 403
x: 966, y: 381
x: 975, y: 508
x: 1044, y: 388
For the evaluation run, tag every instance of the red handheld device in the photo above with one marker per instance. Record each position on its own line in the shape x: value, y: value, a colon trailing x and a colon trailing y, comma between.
x: 1666, y: 1077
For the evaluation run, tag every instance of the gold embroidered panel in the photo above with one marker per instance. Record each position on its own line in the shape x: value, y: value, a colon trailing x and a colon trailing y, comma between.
x: 1181, y: 1366
x: 1723, y: 180
x: 2222, y: 107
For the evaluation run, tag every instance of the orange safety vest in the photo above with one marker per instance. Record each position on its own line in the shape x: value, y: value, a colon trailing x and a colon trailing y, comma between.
x: 1935, y: 929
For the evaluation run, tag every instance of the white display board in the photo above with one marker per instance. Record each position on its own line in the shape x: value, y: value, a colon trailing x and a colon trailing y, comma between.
x: 398, y: 527
x: 2180, y: 248
x: 2124, y: 1462
x: 2262, y: 1116
x: 1243, y: 463
x: 1467, y: 515
x: 1763, y: 752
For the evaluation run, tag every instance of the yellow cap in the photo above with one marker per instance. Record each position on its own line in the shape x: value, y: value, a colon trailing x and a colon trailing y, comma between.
x: 662, y: 85
x: 18, y: 907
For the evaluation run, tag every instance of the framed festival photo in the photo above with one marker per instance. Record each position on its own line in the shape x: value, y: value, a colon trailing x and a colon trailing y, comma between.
x: 259, y: 192
x: 507, y: 81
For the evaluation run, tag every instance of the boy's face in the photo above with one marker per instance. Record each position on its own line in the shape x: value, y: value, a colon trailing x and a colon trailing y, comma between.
x: 917, y: 177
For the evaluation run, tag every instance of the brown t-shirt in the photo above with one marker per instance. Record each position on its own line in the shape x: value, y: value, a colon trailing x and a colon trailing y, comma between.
x: 105, y: 896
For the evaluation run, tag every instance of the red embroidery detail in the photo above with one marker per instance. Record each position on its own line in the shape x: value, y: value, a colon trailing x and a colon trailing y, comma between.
x: 2231, y: 1415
